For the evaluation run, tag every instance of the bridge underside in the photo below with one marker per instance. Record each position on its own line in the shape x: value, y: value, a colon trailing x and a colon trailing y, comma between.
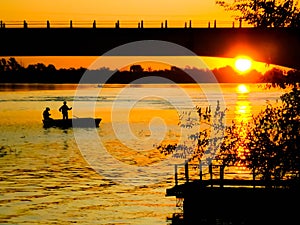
x: 274, y: 46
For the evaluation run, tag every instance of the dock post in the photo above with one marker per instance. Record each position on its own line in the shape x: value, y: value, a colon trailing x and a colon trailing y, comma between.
x: 253, y: 176
x: 233, y: 24
x: 221, y: 175
x: 185, y: 26
x: 94, y: 24
x: 176, y: 176
x: 210, y: 173
x: 208, y: 24
x: 186, y: 171
x: 162, y: 25
x: 142, y: 24
x: 71, y: 24
x: 1, y: 24
x: 48, y: 24
x: 201, y: 172
x: 240, y: 22
x: 190, y: 24
x: 166, y: 23
x: 215, y: 23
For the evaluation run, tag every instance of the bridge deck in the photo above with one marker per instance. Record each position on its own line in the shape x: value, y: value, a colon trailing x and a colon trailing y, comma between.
x: 276, y: 46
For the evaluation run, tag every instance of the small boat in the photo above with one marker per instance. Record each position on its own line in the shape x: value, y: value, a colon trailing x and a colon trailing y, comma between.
x: 74, y: 122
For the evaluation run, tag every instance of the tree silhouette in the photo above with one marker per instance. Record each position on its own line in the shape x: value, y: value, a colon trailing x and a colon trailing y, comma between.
x: 265, y: 13
x: 272, y: 145
x: 268, y: 145
x: 13, y: 65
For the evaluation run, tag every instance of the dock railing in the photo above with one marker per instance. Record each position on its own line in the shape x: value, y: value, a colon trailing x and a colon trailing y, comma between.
x: 187, y: 172
x: 216, y: 175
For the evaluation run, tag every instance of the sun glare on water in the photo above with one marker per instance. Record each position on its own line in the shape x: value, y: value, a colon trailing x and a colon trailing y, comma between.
x: 243, y: 64
x: 242, y: 89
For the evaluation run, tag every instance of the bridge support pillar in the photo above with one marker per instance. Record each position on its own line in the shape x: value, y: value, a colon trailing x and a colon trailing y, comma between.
x: 25, y: 25
x: 117, y: 25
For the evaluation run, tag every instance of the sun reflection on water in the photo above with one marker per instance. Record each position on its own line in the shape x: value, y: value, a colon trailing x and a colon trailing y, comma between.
x: 243, y: 105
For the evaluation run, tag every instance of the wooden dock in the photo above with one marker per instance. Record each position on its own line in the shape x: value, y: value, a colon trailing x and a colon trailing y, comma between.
x: 233, y: 201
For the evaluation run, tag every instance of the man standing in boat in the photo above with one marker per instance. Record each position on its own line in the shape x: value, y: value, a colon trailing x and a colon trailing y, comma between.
x: 64, y: 110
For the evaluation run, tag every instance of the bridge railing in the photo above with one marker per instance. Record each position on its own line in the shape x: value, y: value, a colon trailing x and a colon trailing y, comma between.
x: 122, y: 24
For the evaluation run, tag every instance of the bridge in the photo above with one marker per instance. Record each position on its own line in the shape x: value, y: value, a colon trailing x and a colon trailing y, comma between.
x: 279, y: 46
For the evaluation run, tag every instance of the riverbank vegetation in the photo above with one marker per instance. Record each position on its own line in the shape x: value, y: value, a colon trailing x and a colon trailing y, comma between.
x: 11, y: 71
x: 266, y: 145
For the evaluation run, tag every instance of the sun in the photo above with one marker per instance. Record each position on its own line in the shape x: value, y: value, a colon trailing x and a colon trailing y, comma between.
x: 243, y: 64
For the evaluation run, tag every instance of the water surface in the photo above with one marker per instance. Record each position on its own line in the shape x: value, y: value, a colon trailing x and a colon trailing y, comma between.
x: 45, y: 176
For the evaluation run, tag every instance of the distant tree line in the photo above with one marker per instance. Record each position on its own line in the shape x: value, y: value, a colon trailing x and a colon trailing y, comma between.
x: 12, y: 71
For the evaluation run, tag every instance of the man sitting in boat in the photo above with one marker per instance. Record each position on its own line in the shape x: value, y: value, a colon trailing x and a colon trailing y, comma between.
x: 64, y: 110
x: 46, y: 114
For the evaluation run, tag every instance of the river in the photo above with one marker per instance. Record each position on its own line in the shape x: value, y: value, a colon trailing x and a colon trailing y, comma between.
x: 107, y: 175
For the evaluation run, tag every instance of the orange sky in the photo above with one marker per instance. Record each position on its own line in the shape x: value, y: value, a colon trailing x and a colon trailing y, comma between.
x: 128, y: 12
x: 87, y: 61
x: 113, y: 10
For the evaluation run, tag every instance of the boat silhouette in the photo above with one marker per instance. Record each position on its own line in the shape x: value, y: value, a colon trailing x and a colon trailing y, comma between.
x: 73, y: 122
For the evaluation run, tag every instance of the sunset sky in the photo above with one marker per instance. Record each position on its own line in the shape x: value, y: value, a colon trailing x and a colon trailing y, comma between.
x: 57, y: 10
x: 128, y: 12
